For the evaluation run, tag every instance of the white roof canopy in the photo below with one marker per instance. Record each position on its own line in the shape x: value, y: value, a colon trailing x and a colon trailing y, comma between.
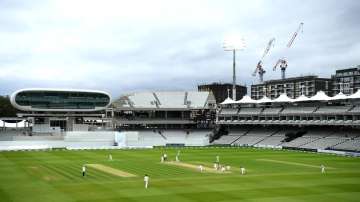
x: 227, y: 101
x: 246, y: 100
x: 320, y: 96
x: 264, y: 100
x: 302, y: 98
x: 283, y: 98
x: 355, y: 95
x: 340, y: 96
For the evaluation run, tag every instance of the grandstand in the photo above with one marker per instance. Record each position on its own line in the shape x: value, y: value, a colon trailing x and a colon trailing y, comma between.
x: 187, y: 118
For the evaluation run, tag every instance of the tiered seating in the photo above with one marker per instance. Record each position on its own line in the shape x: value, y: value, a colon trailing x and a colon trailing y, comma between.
x: 238, y: 132
x: 298, y: 110
x: 90, y: 139
x: 273, y: 140
x: 332, y: 109
x: 225, y: 139
x: 145, y: 138
x: 231, y: 137
x: 175, y: 136
x: 197, y: 138
x: 250, y: 111
x: 351, y: 144
x: 324, y: 143
x: 163, y: 137
x: 271, y: 111
x: 254, y: 136
x: 228, y: 111
x: 356, y: 109
x: 311, y: 136
x: 299, y: 141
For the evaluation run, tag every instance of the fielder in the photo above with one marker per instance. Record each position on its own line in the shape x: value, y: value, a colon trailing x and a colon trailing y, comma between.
x: 110, y: 157
x: 83, y: 170
x: 242, y: 170
x: 322, y: 167
x: 201, y: 168
x: 146, y: 180
x: 162, y: 159
x: 215, y: 166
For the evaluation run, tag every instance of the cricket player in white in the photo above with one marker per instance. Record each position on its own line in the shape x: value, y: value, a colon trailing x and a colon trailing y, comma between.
x: 222, y: 168
x: 217, y: 159
x: 146, y: 180
x: 242, y: 169
x: 177, y: 158
x: 201, y: 168
x: 110, y: 157
x: 162, y: 159
x: 83, y: 170
x: 322, y: 168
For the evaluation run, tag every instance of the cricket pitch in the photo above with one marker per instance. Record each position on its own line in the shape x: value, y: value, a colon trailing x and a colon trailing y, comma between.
x: 110, y: 170
x: 194, y: 167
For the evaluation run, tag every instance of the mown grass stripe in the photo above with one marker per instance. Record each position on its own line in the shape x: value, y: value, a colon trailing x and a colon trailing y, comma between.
x: 65, y: 176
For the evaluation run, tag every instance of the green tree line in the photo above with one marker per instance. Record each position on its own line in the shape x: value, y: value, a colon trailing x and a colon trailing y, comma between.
x: 6, y: 109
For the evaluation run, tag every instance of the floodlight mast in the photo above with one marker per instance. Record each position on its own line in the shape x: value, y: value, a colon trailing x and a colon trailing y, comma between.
x: 234, y: 48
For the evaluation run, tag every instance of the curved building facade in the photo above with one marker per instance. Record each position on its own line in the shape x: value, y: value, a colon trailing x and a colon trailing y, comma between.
x: 60, y: 100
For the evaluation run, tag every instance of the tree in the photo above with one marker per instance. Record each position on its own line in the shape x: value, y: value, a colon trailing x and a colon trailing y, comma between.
x: 6, y: 109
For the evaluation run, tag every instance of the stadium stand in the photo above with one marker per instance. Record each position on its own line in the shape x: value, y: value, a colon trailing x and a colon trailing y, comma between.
x: 298, y: 110
x: 271, y: 111
x: 142, y: 138
x: 229, y: 111
x: 273, y: 140
x: 249, y: 111
x: 352, y: 144
x: 89, y: 138
x: 254, y: 136
x: 332, y: 109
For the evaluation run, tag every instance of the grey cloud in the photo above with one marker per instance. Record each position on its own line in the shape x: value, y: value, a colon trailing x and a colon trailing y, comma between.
x: 124, y: 55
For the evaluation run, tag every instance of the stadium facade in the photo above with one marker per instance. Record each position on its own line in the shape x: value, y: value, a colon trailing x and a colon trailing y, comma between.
x: 90, y: 119
x: 59, y: 110
x: 171, y: 109
x: 346, y: 80
x: 293, y: 87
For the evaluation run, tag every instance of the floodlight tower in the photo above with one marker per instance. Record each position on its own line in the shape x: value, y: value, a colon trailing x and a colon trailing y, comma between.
x: 233, y: 44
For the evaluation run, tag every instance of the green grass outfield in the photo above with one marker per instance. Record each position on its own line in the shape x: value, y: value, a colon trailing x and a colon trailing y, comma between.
x: 273, y: 175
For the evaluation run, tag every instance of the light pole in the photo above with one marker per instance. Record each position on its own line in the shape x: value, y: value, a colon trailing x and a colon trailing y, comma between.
x: 233, y: 44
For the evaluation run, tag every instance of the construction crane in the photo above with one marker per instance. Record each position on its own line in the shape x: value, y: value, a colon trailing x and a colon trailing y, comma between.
x: 282, y: 63
x: 259, y: 69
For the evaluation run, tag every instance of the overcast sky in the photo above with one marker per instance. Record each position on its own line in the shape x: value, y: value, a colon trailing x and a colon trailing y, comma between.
x: 126, y: 46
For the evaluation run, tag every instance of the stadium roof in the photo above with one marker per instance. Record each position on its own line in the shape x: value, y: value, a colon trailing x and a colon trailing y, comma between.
x: 283, y: 98
x: 227, y: 101
x: 264, y: 100
x: 320, y: 96
x: 301, y: 98
x: 339, y: 96
x: 246, y: 100
x: 355, y: 95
